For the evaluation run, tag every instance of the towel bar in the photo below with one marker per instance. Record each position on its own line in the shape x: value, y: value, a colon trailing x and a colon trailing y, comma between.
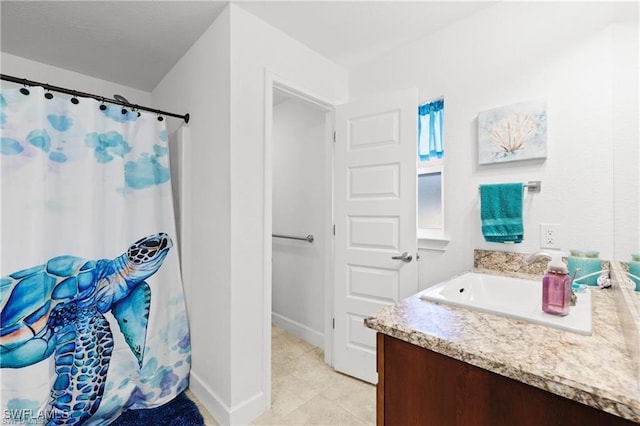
x: 532, y: 186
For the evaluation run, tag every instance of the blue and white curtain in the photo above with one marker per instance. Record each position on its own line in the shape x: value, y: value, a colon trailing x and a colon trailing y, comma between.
x: 430, y: 130
x: 93, y: 318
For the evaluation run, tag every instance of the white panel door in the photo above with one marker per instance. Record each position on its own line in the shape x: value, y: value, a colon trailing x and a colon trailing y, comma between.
x: 375, y: 218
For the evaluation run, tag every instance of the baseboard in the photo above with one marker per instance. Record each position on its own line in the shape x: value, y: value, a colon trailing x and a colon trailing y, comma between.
x: 249, y: 410
x: 214, y: 405
x: 241, y: 414
x: 301, y: 331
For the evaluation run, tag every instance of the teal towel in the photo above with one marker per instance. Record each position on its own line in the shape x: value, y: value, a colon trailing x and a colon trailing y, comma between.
x: 501, y: 212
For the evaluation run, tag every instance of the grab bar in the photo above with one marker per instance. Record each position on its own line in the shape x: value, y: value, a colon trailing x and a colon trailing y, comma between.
x: 308, y: 238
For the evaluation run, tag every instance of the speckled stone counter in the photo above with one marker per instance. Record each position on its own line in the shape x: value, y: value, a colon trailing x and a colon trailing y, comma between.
x: 628, y: 304
x: 596, y: 370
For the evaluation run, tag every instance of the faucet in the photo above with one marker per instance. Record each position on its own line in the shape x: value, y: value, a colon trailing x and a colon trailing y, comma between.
x: 574, y: 296
x: 535, y: 256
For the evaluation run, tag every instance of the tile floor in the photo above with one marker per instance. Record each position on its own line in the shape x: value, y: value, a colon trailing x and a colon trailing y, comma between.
x: 305, y: 391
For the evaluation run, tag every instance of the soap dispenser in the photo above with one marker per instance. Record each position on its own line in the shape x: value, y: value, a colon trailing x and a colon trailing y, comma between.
x: 556, y: 284
x: 556, y: 287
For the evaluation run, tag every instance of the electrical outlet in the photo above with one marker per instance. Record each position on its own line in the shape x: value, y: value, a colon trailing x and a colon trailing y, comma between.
x: 549, y: 235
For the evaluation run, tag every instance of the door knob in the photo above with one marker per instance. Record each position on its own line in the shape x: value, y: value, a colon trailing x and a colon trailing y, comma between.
x: 405, y: 257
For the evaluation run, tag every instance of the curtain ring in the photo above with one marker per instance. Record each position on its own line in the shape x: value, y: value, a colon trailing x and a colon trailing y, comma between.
x: 48, y: 95
x: 24, y: 90
x: 160, y: 118
x: 102, y: 106
x: 74, y: 99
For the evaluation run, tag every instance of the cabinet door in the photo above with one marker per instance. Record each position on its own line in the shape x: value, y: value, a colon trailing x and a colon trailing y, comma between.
x: 421, y: 387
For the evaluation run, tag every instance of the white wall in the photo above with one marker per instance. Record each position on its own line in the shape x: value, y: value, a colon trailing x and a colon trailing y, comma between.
x: 199, y: 84
x: 508, y: 53
x: 626, y: 135
x: 257, y: 48
x: 17, y: 66
x: 221, y: 83
x: 299, y: 181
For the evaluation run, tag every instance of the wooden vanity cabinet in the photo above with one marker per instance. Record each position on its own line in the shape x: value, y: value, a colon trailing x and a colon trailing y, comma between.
x: 417, y: 386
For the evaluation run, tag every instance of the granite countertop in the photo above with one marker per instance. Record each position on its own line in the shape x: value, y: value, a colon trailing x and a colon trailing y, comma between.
x: 595, y: 370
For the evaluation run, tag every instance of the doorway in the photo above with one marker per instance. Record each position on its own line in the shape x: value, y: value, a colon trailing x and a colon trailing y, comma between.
x: 298, y: 204
x: 370, y: 205
x: 298, y: 218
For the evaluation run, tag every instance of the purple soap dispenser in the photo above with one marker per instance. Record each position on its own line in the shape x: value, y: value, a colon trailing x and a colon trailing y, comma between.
x: 556, y: 287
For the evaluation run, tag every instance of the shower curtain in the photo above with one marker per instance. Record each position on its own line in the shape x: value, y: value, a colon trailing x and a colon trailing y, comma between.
x: 92, y: 312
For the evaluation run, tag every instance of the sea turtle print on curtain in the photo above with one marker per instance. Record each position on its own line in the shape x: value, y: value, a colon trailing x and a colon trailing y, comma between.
x: 99, y: 326
x: 58, y: 308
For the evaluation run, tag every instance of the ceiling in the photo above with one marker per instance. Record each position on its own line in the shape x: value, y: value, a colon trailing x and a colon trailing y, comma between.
x: 135, y: 43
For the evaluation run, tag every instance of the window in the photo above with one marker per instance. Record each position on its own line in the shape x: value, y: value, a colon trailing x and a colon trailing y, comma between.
x: 430, y: 131
x: 430, y: 170
x: 430, y: 200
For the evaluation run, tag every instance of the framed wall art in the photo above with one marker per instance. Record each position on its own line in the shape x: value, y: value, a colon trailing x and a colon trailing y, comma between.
x: 513, y: 133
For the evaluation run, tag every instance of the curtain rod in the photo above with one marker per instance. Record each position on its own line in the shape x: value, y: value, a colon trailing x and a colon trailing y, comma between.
x: 26, y: 82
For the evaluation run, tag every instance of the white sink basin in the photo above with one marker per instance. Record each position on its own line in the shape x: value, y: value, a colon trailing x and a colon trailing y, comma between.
x: 510, y: 297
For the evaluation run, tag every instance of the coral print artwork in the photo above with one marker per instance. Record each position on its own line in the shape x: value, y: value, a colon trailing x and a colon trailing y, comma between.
x: 512, y: 133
